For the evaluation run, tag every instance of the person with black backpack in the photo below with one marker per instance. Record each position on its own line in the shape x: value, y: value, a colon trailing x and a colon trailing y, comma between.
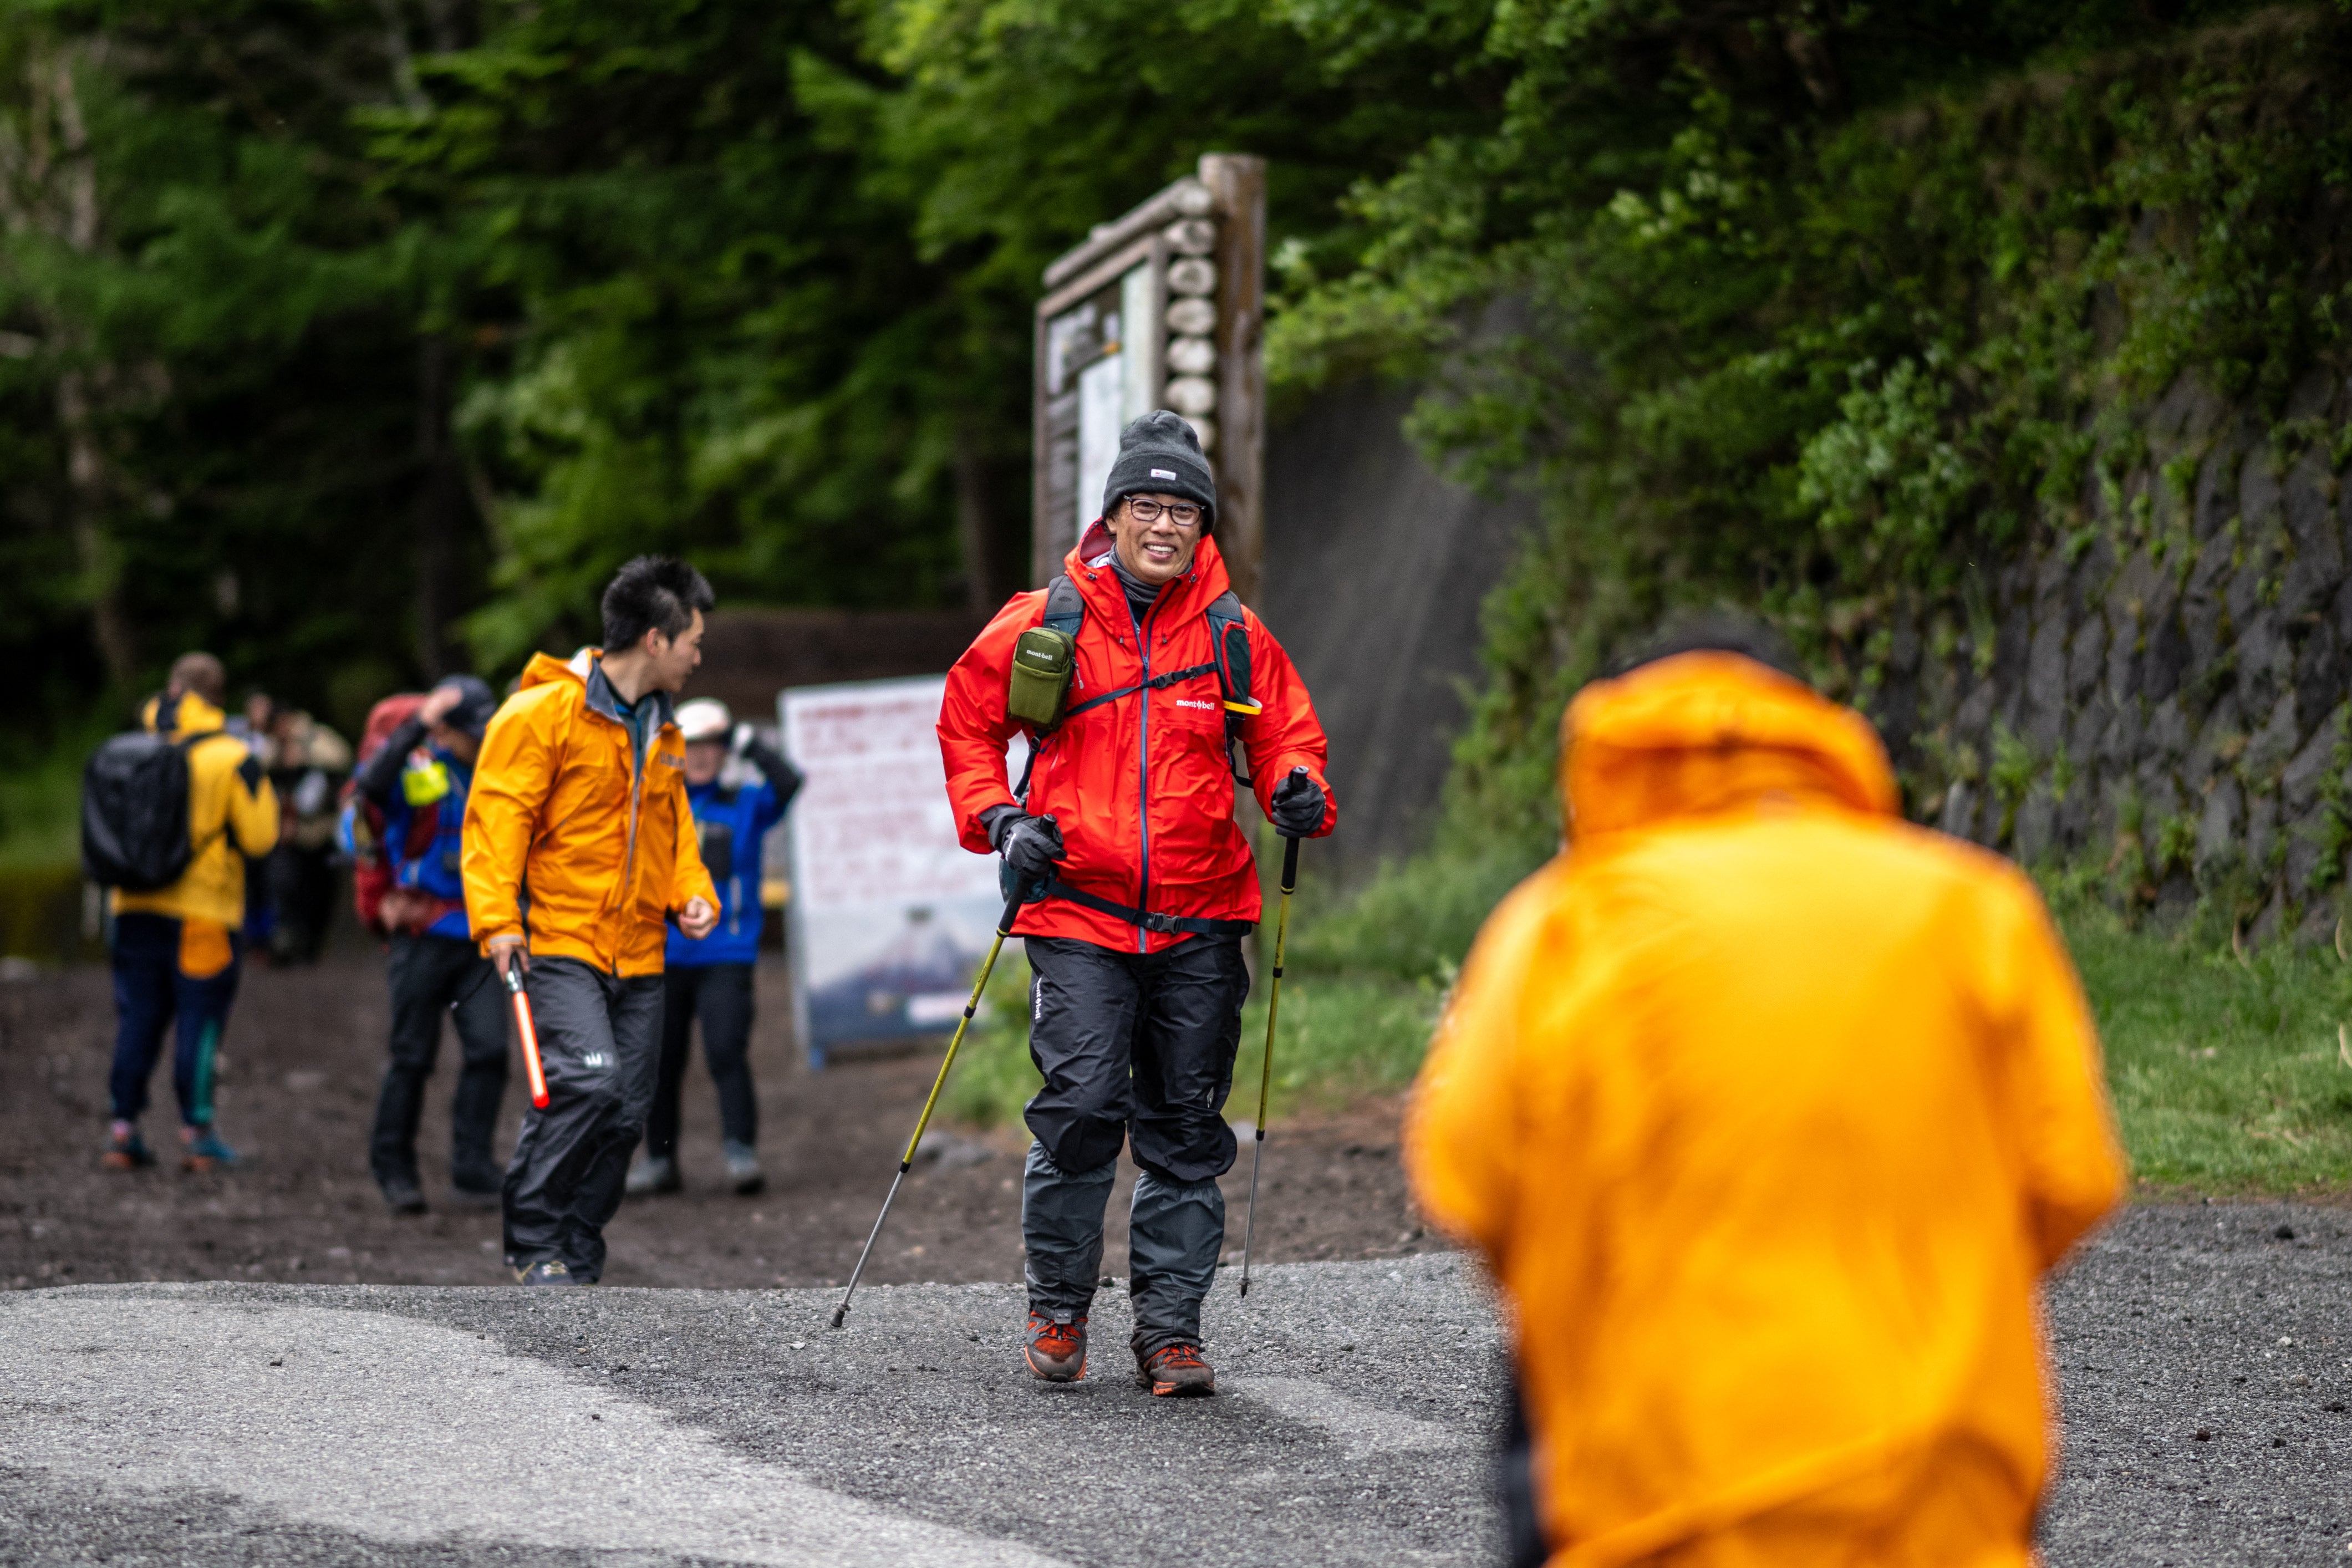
x: 1148, y: 690
x: 169, y: 813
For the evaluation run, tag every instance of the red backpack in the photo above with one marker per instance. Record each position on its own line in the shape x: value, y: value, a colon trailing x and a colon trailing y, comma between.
x: 363, y: 820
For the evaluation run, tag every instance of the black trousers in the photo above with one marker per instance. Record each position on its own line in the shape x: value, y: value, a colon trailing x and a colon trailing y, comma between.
x: 430, y: 975
x: 720, y: 995
x: 599, y: 1041
x: 1136, y: 1050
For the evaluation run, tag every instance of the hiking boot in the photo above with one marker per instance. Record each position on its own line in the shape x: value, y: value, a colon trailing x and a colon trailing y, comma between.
x: 127, y: 1151
x: 472, y: 1196
x: 1056, y: 1348
x: 401, y: 1195
x: 1175, y: 1372
x: 546, y: 1271
x: 201, y: 1150
x: 744, y: 1169
x: 653, y: 1174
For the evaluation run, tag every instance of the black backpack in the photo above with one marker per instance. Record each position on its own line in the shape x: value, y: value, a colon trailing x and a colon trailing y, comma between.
x: 134, y: 811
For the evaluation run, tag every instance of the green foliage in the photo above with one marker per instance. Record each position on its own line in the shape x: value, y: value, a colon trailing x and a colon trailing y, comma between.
x: 1827, y: 344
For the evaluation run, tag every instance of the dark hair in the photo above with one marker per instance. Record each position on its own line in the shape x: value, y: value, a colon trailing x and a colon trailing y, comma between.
x: 1717, y: 631
x: 653, y: 593
x: 200, y: 673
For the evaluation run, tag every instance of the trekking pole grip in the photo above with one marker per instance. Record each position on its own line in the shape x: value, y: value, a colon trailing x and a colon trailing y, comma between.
x: 1289, y: 865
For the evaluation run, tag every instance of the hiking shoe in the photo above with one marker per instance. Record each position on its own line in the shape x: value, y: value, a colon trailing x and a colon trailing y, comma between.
x: 402, y: 1194
x: 204, y: 1151
x: 1175, y: 1372
x: 546, y: 1271
x: 128, y: 1152
x: 653, y: 1174
x: 744, y: 1169
x: 1056, y: 1347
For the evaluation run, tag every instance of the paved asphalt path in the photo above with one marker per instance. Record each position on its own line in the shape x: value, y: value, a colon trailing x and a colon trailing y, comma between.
x: 263, y: 1425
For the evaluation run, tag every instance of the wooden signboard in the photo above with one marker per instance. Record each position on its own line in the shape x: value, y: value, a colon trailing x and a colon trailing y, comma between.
x: 1163, y: 308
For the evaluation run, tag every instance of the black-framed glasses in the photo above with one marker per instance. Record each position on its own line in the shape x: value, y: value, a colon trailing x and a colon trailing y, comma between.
x: 1183, y: 513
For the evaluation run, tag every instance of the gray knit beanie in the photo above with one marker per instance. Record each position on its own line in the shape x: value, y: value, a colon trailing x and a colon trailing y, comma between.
x: 1159, y: 455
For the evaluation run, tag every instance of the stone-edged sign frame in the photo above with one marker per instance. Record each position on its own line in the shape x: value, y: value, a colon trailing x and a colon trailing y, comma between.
x: 1163, y: 308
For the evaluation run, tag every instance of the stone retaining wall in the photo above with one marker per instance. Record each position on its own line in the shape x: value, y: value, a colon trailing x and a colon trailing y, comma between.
x: 2160, y: 691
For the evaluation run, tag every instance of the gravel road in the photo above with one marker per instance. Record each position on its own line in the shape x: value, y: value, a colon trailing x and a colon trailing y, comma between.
x: 254, y: 1423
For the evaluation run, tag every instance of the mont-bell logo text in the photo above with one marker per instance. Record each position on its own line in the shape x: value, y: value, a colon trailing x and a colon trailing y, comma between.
x: 1163, y: 473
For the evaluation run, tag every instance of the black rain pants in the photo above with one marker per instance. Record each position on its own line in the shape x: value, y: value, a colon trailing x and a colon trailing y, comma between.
x: 599, y: 1042
x: 1136, y: 1049
x: 720, y: 994
x: 432, y: 975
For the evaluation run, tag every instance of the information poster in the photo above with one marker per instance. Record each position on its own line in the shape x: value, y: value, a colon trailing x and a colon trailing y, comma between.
x: 890, y: 916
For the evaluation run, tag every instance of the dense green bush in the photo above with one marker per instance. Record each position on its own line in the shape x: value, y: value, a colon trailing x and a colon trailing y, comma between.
x: 1838, y: 368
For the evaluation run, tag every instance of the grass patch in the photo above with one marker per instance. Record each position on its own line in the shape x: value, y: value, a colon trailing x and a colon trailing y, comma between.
x: 2226, y: 1076
x: 40, y: 804
x: 1342, y: 1036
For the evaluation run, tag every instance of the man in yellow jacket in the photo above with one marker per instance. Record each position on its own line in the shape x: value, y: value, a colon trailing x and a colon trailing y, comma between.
x: 1769, y: 1112
x: 175, y: 948
x: 579, y: 847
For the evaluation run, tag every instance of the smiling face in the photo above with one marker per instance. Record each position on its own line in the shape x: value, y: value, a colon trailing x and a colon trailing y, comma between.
x: 1158, y: 551
x: 703, y: 760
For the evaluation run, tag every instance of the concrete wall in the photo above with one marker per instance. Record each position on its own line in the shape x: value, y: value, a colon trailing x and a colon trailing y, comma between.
x: 1375, y: 569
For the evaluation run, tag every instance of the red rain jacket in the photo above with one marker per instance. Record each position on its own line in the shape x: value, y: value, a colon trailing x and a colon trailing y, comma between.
x: 1148, y: 769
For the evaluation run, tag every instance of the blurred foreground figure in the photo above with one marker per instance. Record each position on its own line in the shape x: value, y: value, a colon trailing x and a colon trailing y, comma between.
x: 1768, y: 1111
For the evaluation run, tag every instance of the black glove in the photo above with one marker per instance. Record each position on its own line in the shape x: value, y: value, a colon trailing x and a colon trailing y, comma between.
x: 1297, y: 805
x: 1030, y: 844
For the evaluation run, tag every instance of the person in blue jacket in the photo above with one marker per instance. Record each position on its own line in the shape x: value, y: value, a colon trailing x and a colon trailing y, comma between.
x: 419, y: 780
x: 713, y: 978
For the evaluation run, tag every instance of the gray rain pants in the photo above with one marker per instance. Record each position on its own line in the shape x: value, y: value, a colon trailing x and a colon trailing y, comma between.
x: 1136, y: 1049
x: 599, y: 1042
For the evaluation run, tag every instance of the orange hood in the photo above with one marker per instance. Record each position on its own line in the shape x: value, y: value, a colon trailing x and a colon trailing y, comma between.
x: 1703, y: 732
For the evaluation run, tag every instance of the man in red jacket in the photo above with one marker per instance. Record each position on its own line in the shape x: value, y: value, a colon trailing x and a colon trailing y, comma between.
x: 1142, y: 887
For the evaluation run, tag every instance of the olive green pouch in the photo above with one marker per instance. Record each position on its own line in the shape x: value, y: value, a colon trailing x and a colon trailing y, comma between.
x: 1044, y: 659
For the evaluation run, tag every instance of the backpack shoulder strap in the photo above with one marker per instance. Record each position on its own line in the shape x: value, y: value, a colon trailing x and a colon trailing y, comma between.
x: 1065, y: 610
x: 1229, y: 637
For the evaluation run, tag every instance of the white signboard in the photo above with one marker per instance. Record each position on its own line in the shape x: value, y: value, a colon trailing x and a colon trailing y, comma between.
x: 889, y: 915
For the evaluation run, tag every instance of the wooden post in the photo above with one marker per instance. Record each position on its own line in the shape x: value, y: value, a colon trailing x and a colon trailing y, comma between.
x: 1237, y: 184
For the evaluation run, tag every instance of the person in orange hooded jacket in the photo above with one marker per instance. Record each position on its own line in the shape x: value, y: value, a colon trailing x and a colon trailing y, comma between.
x: 1142, y: 886
x: 578, y: 848
x: 1769, y: 1112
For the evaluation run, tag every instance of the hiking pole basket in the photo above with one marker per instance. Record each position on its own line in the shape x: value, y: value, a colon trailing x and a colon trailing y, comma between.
x: 1266, y: 1069
x: 906, y: 1160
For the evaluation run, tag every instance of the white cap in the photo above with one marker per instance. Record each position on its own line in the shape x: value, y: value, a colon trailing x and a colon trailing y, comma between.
x: 705, y: 718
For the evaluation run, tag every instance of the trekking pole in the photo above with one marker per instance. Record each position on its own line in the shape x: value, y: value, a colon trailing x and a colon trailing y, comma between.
x: 532, y: 1071
x: 1265, y: 1072
x: 906, y: 1160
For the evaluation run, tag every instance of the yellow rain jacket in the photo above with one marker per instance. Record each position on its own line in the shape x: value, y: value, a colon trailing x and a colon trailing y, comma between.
x: 562, y: 816
x: 1767, y: 1110
x: 231, y: 813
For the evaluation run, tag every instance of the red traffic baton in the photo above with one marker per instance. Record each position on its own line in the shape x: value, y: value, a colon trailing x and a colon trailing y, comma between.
x: 532, y: 1069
